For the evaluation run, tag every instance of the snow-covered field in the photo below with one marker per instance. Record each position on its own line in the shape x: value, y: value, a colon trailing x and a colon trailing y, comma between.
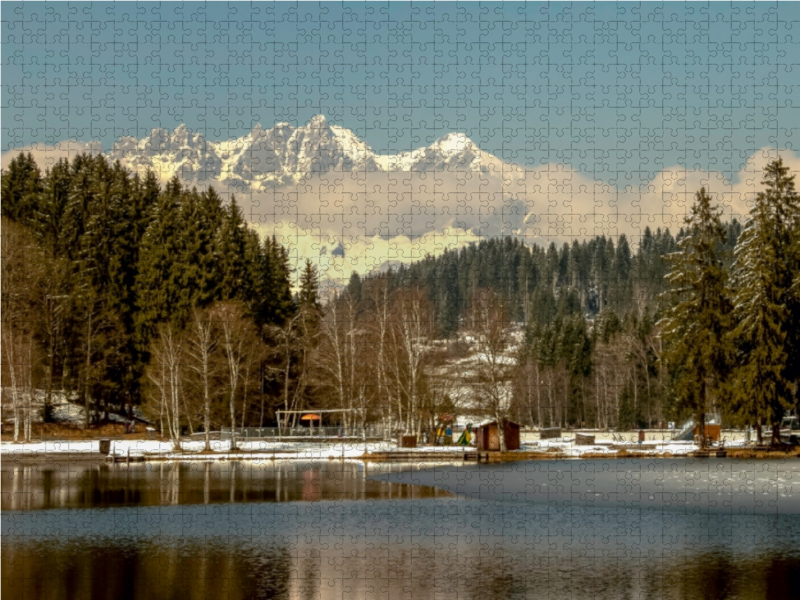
x: 192, y: 450
x: 566, y: 446
x: 657, y: 442
x: 65, y: 410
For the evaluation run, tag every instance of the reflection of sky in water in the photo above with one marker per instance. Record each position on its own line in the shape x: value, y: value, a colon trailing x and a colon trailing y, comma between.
x: 529, y: 533
x: 714, y: 486
x: 412, y: 548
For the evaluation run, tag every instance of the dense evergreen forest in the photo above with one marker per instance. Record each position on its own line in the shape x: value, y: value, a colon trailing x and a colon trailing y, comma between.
x: 120, y: 292
x: 96, y: 261
x: 541, y: 284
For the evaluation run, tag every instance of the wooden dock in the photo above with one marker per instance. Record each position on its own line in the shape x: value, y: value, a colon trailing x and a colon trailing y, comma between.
x: 125, y: 458
x: 710, y: 453
x: 412, y: 456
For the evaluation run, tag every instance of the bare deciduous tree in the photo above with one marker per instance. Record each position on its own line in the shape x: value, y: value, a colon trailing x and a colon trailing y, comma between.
x: 235, y: 336
x: 488, y: 322
x: 201, y: 348
x: 378, y: 294
x: 414, y: 327
x: 21, y: 275
x: 343, y: 359
x: 165, y: 372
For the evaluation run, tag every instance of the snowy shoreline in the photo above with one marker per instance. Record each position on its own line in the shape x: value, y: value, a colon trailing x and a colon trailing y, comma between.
x: 155, y: 450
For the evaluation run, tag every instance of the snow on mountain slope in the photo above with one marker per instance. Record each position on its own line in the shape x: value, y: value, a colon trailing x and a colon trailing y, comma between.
x: 286, y: 155
x: 181, y: 152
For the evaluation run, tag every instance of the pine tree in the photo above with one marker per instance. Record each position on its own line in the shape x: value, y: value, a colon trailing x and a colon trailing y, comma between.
x: 354, y: 287
x: 271, y: 297
x: 159, y: 277
x: 309, y: 307
x: 263, y: 302
x: 281, y: 278
x: 201, y: 214
x: 764, y: 263
x: 19, y: 187
x: 621, y: 269
x: 107, y: 264
x: 695, y: 326
x: 308, y: 295
x: 48, y: 218
x: 231, y: 249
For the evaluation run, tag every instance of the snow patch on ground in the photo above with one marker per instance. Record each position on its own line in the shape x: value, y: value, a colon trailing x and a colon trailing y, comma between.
x: 65, y: 409
x: 192, y: 449
x: 567, y: 447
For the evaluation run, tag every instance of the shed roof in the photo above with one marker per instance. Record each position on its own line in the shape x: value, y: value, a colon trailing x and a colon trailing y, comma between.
x: 490, y: 421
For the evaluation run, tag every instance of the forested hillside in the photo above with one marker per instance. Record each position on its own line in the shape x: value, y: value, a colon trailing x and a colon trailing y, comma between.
x: 96, y: 261
x: 119, y: 292
x: 540, y: 284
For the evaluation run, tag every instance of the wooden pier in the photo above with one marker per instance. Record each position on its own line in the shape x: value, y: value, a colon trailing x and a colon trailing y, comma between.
x: 710, y: 453
x: 125, y: 458
x: 412, y: 456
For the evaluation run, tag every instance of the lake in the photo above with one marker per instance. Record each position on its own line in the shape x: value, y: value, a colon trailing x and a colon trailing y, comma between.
x: 647, y: 528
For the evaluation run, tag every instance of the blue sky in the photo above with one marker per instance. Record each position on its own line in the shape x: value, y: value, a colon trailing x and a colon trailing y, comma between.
x: 618, y: 91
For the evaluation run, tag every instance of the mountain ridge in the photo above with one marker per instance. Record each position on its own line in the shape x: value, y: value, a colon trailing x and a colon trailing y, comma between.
x: 286, y: 155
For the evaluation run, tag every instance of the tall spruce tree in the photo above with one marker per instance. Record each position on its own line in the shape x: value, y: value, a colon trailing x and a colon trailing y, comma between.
x: 271, y: 300
x: 50, y: 206
x: 308, y: 296
x: 696, y: 324
x: 160, y: 272
x: 19, y: 186
x: 107, y: 263
x: 309, y: 306
x: 765, y: 265
x: 231, y: 251
x: 201, y: 215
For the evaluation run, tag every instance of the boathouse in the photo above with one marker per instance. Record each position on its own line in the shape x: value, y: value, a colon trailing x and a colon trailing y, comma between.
x: 487, y: 435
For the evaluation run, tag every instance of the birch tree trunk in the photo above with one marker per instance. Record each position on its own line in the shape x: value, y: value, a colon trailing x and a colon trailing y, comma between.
x: 202, y: 347
x: 9, y: 344
x: 165, y: 373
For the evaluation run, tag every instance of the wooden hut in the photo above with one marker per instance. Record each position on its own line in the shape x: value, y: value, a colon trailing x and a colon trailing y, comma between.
x: 713, y: 432
x: 488, y: 435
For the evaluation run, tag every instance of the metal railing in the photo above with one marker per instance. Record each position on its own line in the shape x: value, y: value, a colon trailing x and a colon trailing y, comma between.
x: 306, y: 432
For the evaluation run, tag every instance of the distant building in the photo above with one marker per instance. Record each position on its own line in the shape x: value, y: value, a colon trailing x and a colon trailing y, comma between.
x: 487, y: 435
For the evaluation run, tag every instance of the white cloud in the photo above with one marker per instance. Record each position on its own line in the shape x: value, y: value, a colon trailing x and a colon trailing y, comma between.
x: 402, y: 216
x: 381, y: 217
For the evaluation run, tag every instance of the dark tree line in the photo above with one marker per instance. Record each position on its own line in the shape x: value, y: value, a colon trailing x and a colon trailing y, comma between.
x: 732, y: 332
x: 706, y: 321
x: 541, y: 284
x: 120, y: 292
x: 117, y: 257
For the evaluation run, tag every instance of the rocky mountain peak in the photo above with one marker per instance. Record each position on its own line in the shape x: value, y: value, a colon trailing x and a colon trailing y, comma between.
x: 285, y: 154
x: 318, y: 122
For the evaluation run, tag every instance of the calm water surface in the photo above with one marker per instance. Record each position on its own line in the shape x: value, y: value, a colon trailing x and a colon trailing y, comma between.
x: 549, y: 529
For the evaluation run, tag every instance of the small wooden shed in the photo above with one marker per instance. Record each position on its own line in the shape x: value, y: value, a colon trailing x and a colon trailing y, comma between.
x: 487, y: 435
x: 713, y: 432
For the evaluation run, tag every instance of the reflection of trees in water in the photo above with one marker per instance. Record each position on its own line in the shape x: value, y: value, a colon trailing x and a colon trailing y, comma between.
x: 216, y: 569
x: 470, y: 549
x: 720, y: 574
x: 708, y: 575
x: 330, y: 566
x: 170, y: 483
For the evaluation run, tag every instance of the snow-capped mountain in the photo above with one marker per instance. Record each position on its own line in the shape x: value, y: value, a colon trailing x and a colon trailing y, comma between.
x: 288, y: 155
x: 183, y: 152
